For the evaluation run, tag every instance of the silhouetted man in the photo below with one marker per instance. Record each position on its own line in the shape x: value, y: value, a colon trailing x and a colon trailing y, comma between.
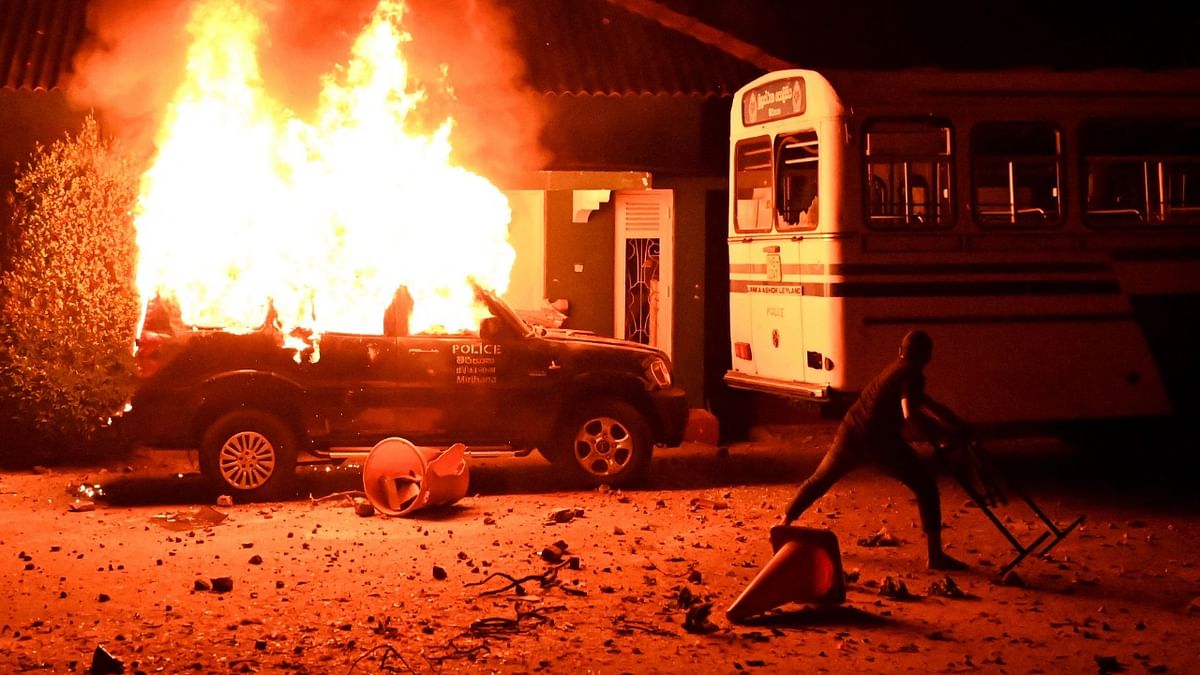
x: 872, y: 432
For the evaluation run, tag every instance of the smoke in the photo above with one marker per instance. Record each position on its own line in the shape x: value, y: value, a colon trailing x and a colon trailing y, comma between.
x: 461, y: 54
x: 129, y: 66
x: 498, y: 118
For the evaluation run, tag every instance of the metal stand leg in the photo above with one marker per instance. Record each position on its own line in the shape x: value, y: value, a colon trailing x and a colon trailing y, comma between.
x: 987, y: 494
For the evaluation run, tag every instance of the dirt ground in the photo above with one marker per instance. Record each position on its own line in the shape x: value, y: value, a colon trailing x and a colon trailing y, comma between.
x: 151, y: 573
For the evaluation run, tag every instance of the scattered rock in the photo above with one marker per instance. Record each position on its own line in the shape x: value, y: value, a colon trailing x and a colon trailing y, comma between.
x: 104, y: 663
x: 884, y: 537
x: 946, y: 588
x: 225, y: 500
x: 1011, y: 578
x: 563, y: 515
x: 222, y: 584
x: 363, y: 508
x: 697, y: 621
x: 554, y: 552
x: 895, y: 589
x: 700, y: 503
x: 439, y: 573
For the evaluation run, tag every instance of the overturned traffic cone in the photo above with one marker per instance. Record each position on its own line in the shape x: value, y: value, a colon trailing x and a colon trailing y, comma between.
x: 806, y: 568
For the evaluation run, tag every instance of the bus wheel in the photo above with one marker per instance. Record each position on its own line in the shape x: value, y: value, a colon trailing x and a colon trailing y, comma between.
x: 605, y: 441
x: 249, y: 453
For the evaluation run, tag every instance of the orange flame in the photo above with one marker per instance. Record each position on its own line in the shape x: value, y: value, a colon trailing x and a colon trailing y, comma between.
x: 246, y: 207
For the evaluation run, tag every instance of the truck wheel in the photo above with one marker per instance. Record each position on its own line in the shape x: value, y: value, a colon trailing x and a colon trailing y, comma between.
x: 249, y: 453
x: 605, y: 441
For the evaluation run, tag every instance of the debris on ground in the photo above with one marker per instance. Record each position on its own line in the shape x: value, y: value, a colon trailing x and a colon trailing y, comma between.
x: 546, y: 579
x: 563, y: 515
x: 946, y: 588
x: 697, y: 619
x: 363, y: 507
x: 698, y: 503
x: 554, y: 552
x: 190, y: 519
x: 895, y: 589
x: 1011, y: 578
x: 104, y: 663
x: 225, y: 501
x: 884, y: 537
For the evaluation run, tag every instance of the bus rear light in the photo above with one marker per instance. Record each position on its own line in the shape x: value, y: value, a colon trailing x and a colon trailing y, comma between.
x: 742, y: 351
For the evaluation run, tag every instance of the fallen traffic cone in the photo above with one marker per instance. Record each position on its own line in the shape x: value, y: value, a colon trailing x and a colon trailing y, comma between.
x: 806, y: 568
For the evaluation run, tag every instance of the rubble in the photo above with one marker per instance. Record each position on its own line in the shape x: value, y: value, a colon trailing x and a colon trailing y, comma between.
x: 563, y: 515
x: 884, y: 537
x: 895, y: 589
x: 104, y: 663
x: 697, y: 620
x: 946, y: 588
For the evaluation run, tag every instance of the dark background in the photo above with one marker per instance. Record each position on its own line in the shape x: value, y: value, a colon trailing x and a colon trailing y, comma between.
x: 959, y: 35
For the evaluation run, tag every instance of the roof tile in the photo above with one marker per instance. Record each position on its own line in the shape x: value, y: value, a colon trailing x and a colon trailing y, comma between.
x: 571, y: 47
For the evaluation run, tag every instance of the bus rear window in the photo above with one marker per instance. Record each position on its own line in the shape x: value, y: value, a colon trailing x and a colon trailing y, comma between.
x: 796, y: 183
x: 908, y: 175
x: 752, y: 185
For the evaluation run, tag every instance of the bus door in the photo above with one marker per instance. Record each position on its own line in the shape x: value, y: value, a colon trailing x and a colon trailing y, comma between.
x: 777, y: 298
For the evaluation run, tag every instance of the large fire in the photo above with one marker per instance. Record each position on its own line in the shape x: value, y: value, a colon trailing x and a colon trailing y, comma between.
x: 248, y: 209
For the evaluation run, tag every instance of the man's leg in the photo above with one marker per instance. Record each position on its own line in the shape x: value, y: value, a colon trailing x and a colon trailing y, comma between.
x: 841, y: 457
x: 904, y: 465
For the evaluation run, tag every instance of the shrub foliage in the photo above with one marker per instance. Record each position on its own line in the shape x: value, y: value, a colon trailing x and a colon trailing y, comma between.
x: 68, y: 300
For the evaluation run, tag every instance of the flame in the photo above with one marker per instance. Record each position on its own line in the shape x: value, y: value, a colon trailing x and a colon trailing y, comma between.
x: 248, y: 211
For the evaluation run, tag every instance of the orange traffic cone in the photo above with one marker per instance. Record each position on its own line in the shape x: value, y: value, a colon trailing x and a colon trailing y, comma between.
x: 806, y: 568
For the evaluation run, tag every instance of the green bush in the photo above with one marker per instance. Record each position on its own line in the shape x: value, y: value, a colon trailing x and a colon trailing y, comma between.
x: 68, y: 300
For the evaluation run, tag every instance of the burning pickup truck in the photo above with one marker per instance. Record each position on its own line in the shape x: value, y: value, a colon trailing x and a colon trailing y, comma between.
x: 254, y: 408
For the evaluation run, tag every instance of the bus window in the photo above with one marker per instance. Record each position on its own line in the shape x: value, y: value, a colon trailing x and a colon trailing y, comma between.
x: 1141, y: 173
x: 1017, y: 170
x: 752, y: 185
x: 908, y: 175
x: 797, y: 182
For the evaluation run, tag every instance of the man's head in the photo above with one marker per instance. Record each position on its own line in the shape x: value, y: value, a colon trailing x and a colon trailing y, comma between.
x: 916, y: 347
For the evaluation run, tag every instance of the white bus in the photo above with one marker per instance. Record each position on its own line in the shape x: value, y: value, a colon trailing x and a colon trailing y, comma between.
x: 1042, y: 226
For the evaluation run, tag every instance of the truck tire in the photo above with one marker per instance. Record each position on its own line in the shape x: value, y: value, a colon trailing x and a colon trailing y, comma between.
x: 249, y: 454
x: 604, y: 441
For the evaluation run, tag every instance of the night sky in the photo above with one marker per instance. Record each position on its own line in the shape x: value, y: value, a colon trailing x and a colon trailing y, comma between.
x: 960, y: 35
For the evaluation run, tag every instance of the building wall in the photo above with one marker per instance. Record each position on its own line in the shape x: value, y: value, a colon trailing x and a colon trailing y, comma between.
x: 634, y: 133
x: 580, y: 259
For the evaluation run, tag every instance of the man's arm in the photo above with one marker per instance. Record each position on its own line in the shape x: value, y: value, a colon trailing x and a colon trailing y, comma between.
x: 936, y: 421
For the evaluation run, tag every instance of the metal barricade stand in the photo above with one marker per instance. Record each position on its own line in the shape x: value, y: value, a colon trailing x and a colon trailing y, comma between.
x: 979, y: 479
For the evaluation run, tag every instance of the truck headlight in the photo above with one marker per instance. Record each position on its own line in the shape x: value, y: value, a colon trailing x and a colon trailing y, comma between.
x: 658, y: 372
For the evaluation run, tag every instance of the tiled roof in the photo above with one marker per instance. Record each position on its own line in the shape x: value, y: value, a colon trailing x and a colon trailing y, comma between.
x: 571, y: 47
x: 600, y: 47
x: 37, y: 41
